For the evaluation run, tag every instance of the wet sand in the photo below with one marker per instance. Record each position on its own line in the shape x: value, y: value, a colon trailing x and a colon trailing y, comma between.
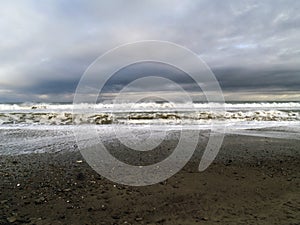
x: 254, y: 180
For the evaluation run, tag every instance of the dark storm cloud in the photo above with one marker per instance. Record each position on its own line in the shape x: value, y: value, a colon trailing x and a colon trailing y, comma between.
x: 46, y: 47
x: 52, y: 87
x: 146, y: 69
x: 235, y: 79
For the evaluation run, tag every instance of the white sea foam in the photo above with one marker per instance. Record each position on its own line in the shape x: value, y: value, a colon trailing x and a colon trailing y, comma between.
x: 148, y: 112
x: 146, y: 106
x: 27, y: 127
x: 25, y: 139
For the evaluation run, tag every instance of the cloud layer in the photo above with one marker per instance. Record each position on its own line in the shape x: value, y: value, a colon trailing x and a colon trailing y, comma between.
x: 252, y: 46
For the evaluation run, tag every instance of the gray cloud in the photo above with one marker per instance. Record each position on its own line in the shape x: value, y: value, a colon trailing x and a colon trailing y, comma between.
x: 252, y: 46
x: 239, y: 78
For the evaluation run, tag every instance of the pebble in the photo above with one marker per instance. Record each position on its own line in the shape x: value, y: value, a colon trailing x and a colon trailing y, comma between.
x: 204, y: 218
x: 12, y: 219
x: 4, y: 201
x: 138, y: 219
x: 103, y: 207
x: 228, y: 163
x: 163, y: 182
x: 116, y: 217
x: 39, y: 200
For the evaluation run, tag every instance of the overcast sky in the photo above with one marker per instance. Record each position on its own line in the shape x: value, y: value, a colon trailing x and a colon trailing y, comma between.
x: 253, y: 47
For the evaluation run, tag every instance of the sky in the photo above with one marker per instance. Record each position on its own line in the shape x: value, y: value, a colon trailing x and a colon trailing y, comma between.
x: 252, y: 47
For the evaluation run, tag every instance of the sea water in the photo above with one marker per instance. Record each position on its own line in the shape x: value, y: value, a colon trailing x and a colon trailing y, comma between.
x: 48, y: 127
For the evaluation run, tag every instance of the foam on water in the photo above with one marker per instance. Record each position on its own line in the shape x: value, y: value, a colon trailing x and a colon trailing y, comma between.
x: 27, y: 128
x: 146, y: 106
x: 147, y: 112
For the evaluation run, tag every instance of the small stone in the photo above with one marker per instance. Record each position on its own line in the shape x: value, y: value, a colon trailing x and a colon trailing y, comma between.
x: 138, y: 219
x: 4, y: 201
x: 12, y: 219
x: 103, y: 207
x: 116, y: 217
x: 163, y: 182
x: 39, y: 200
x: 228, y: 163
x: 35, y: 220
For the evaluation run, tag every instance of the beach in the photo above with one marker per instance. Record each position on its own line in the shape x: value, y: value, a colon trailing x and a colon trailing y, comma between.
x: 254, y: 180
x: 150, y: 112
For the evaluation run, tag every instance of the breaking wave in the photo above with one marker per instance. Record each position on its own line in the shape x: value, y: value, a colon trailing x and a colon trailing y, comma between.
x: 147, y: 106
x: 146, y: 112
x: 143, y: 117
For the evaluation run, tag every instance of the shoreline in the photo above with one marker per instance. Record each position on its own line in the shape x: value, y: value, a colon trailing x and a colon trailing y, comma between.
x: 253, y: 180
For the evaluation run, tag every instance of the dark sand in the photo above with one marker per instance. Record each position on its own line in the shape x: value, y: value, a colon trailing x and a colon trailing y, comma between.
x: 253, y: 181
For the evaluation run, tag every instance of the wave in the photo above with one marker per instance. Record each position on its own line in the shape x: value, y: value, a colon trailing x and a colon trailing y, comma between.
x: 66, y: 118
x: 146, y: 106
x: 145, y: 112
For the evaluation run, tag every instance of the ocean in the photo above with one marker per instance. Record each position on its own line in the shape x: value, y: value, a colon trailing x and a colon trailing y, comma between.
x: 48, y: 127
